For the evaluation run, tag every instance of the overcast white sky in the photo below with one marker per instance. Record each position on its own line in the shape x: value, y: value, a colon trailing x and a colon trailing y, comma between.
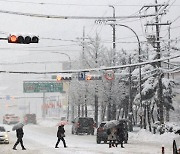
x: 70, y: 29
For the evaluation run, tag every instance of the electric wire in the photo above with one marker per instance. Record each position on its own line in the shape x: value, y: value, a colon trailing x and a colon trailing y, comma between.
x: 93, y: 69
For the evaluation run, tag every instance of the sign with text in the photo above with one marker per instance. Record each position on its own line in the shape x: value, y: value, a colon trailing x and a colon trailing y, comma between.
x: 42, y: 86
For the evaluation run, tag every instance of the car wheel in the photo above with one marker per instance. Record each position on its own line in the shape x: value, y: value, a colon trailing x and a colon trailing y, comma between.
x: 98, y: 141
x: 77, y: 133
x: 174, y: 147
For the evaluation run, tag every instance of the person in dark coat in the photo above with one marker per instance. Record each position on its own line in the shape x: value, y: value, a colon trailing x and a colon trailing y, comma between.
x: 61, y: 135
x: 120, y: 134
x: 19, y: 134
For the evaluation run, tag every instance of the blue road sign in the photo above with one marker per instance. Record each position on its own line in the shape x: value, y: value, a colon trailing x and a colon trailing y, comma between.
x: 81, y: 76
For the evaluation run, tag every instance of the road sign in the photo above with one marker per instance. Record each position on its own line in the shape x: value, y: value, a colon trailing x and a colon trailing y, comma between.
x: 8, y: 97
x: 109, y: 75
x: 42, y: 86
x: 81, y: 76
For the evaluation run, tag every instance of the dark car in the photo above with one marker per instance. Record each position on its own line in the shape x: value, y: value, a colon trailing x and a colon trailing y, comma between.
x: 83, y: 125
x: 102, y: 132
x: 30, y: 118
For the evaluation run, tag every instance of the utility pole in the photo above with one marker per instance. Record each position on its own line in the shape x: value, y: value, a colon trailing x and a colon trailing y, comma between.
x: 112, y: 107
x: 130, y: 112
x: 158, y: 50
x: 169, y: 43
x: 85, y: 101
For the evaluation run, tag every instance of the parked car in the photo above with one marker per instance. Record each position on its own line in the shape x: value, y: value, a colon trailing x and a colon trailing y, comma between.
x: 102, y: 132
x: 4, y: 137
x: 30, y: 118
x: 10, y: 119
x: 83, y: 125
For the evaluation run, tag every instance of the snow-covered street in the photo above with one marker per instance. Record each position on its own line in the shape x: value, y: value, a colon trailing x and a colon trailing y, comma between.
x: 41, y: 139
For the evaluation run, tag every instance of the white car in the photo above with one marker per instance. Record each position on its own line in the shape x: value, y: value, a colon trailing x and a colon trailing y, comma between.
x: 4, y: 137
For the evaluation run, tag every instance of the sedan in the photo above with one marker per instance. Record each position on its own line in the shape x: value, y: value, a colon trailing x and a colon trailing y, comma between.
x: 4, y: 137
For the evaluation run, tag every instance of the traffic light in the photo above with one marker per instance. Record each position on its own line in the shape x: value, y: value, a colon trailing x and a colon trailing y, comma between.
x: 93, y: 77
x: 62, y: 78
x: 23, y: 39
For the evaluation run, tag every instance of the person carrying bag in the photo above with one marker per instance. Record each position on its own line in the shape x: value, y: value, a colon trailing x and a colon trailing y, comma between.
x: 61, y: 135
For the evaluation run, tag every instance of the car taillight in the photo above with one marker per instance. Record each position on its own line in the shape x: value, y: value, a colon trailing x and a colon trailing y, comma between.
x: 100, y: 129
x: 78, y: 124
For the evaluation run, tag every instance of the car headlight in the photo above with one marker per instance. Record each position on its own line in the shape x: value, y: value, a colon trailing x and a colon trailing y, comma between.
x: 6, y: 136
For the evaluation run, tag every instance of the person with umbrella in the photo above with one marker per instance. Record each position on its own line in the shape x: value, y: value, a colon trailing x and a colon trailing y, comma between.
x: 112, y: 136
x: 112, y: 132
x: 19, y: 134
x: 61, y: 135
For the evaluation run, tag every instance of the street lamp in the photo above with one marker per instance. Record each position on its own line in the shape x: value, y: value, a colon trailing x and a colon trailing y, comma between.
x: 62, y: 53
x: 112, y: 108
x: 139, y: 53
x: 114, y: 29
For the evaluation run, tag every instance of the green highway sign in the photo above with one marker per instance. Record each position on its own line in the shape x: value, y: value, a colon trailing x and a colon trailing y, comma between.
x: 42, y: 86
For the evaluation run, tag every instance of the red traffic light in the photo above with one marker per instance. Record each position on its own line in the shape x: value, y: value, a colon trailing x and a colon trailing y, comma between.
x: 62, y: 78
x: 88, y: 77
x: 23, y: 39
x: 12, y: 39
x: 58, y: 78
x: 93, y: 77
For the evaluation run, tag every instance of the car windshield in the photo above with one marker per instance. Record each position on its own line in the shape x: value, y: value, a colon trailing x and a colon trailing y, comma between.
x: 2, y: 129
x: 86, y: 121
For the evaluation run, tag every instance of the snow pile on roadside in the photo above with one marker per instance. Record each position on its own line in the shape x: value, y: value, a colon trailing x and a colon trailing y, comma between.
x: 146, y: 136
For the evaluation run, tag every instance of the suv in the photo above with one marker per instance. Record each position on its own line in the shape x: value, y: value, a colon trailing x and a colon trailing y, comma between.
x: 10, y: 119
x: 83, y: 125
x: 102, y: 132
x: 30, y: 118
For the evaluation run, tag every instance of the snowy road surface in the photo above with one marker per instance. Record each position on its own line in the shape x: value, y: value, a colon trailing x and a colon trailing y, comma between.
x: 40, y: 139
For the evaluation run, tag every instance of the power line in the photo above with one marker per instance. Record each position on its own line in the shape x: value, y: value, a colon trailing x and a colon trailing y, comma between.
x: 72, y: 4
x: 22, y: 63
x: 95, y: 69
x: 72, y: 17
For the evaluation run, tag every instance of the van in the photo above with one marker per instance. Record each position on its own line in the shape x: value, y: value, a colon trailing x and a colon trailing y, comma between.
x: 83, y: 125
